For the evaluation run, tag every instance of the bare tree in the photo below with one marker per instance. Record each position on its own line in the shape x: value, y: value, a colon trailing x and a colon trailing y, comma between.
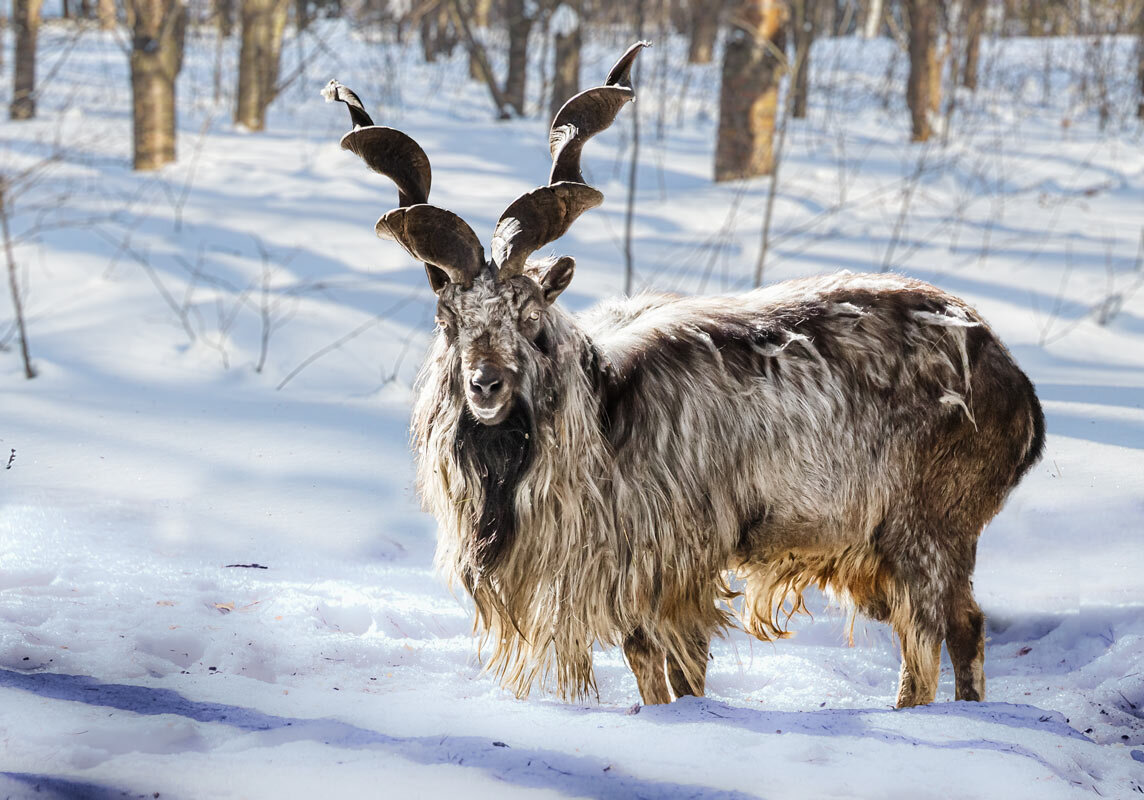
x: 105, y: 11
x: 1140, y: 62
x: 479, y: 18
x: 223, y: 13
x: 519, y: 17
x: 704, y: 29
x: 437, y: 33
x: 158, y: 33
x: 263, y: 25
x: 26, y: 26
x: 566, y: 33
x: 802, y: 23
x: 13, y: 285
x: 482, y: 9
x: 1051, y: 17
x: 922, y: 47
x: 753, y: 65
x: 634, y: 165
x: 428, y: 40
x: 872, y: 25
x: 939, y: 56
x: 479, y: 60
x: 974, y: 26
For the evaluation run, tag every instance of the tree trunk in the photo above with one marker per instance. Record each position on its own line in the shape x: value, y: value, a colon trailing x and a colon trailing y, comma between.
x: 158, y: 32
x: 444, y: 37
x: 263, y: 24
x: 1049, y: 18
x: 478, y: 57
x: 13, y: 285
x: 802, y: 21
x: 923, y: 19
x: 704, y: 30
x: 1140, y: 64
x: 974, y: 26
x: 1034, y: 21
x: 302, y: 15
x: 437, y: 35
x: 480, y: 19
x: 224, y: 17
x: 828, y: 18
x: 425, y: 31
x: 566, y: 76
x: 748, y: 102
x: 633, y: 166
x: 105, y: 10
x: 1055, y: 18
x: 481, y: 11
x: 937, y: 59
x: 25, y: 26
x: 873, y: 23
x: 519, y: 26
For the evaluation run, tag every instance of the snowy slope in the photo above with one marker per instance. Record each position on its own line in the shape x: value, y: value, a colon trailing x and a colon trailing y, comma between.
x: 152, y: 455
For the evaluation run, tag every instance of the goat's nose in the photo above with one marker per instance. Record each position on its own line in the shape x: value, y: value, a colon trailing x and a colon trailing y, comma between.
x: 486, y: 380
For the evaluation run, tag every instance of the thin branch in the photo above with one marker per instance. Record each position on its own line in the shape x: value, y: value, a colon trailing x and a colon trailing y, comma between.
x: 358, y: 331
x: 477, y: 51
x: 633, y: 170
x: 903, y: 212
x: 776, y: 154
x: 29, y: 372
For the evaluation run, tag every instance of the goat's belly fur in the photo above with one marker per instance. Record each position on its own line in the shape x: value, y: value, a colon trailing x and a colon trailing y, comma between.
x: 698, y: 462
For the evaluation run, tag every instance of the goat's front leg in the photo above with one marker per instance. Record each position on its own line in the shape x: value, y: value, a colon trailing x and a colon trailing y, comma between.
x: 647, y: 662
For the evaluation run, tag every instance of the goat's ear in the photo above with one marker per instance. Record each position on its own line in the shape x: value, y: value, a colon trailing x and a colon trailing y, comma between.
x: 557, y: 277
x: 438, y: 278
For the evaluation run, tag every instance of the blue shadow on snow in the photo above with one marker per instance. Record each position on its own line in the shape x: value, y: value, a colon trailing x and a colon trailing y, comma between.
x: 579, y: 776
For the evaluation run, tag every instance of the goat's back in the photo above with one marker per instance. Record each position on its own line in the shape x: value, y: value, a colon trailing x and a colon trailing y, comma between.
x: 817, y: 405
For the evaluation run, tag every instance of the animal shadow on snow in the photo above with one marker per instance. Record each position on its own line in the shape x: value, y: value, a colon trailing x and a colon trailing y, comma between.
x: 581, y: 776
x: 876, y: 724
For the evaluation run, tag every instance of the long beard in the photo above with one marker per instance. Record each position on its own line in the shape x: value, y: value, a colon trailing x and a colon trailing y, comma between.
x: 496, y: 456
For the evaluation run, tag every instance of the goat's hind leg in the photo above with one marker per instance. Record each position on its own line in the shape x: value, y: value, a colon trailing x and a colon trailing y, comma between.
x: 646, y: 660
x: 687, y: 672
x: 965, y: 641
x: 919, y: 625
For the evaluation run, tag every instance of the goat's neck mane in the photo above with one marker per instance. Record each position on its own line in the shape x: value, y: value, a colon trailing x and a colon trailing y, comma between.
x: 524, y: 522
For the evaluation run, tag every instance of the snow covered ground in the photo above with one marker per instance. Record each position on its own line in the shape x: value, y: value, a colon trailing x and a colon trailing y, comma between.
x: 215, y: 581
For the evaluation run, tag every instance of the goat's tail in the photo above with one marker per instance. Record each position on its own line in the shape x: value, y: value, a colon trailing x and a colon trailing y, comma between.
x: 1037, y: 441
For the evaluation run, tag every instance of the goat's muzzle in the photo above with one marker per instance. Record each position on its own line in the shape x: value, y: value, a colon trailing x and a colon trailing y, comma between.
x: 489, y: 393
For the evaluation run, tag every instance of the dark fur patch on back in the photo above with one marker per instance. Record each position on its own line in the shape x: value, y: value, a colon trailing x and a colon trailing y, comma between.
x: 500, y: 455
x: 674, y: 355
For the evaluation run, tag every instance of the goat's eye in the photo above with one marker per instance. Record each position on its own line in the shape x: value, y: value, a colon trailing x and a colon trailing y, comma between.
x: 534, y: 316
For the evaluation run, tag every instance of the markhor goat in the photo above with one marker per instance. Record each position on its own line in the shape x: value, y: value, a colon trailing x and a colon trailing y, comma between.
x: 609, y: 477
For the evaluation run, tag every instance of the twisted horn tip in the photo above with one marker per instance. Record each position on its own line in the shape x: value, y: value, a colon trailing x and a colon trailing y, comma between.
x: 336, y: 91
x: 330, y: 90
x: 621, y: 73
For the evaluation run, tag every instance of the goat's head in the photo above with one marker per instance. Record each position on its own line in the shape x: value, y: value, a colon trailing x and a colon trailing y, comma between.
x: 491, y: 310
